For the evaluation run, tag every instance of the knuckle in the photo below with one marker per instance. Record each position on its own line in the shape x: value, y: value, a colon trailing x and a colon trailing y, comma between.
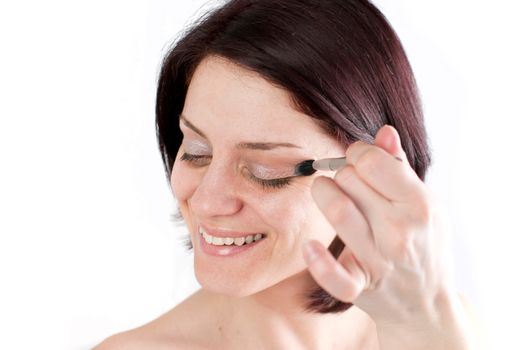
x: 418, y: 210
x: 357, y: 144
x: 368, y: 161
x: 403, y: 250
x: 345, y: 175
x: 401, y: 225
x: 422, y: 210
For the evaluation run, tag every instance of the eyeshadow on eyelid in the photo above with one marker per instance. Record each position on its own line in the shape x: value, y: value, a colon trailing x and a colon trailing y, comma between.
x: 267, y: 173
x: 196, y: 146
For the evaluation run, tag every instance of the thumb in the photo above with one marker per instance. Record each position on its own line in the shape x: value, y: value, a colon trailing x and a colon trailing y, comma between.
x: 343, y: 283
x: 389, y: 139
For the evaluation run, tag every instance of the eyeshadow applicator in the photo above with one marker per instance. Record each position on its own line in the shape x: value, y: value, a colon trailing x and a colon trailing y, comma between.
x: 309, y: 167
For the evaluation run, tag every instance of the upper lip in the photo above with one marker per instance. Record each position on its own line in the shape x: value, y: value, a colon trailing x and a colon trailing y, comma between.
x: 222, y: 232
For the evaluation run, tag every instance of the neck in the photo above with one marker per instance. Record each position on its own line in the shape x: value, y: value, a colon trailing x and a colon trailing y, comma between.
x: 275, y: 318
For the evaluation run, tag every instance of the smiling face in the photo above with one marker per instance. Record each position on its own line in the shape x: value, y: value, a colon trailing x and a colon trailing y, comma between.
x: 240, y: 133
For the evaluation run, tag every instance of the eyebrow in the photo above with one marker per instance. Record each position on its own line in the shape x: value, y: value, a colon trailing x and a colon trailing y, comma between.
x: 263, y: 146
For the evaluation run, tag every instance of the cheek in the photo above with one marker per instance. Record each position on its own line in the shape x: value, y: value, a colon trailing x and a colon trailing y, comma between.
x: 183, y: 184
x: 313, y: 224
x: 293, y: 214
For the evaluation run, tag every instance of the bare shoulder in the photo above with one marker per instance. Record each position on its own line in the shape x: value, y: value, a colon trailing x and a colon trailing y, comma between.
x: 176, y: 329
x: 120, y: 341
x: 131, y: 340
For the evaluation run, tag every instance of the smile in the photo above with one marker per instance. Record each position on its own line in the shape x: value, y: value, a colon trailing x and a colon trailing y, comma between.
x: 238, y: 241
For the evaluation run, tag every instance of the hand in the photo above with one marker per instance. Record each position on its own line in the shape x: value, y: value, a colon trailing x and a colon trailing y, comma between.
x: 392, y: 266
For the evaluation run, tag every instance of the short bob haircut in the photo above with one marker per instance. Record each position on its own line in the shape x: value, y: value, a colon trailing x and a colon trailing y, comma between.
x: 340, y: 60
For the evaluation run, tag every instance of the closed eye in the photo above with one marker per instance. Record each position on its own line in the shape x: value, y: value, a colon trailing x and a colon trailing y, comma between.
x: 194, y: 159
x: 202, y: 160
x: 272, y: 183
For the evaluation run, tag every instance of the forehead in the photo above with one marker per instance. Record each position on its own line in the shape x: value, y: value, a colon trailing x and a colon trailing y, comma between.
x: 226, y: 98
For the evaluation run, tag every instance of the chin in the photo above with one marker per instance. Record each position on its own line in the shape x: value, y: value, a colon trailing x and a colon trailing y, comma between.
x: 237, y: 281
x: 244, y: 283
x: 226, y: 287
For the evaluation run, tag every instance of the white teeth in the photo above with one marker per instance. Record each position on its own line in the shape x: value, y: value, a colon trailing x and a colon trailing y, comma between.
x: 239, y: 240
x: 219, y: 241
x: 207, y: 237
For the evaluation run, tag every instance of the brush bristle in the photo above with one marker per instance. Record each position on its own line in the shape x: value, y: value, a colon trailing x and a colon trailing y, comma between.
x: 304, y: 168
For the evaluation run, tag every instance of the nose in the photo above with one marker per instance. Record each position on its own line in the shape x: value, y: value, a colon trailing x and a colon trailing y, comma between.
x: 216, y: 194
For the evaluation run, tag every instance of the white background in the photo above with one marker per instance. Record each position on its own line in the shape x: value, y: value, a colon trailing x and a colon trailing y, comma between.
x: 86, y: 245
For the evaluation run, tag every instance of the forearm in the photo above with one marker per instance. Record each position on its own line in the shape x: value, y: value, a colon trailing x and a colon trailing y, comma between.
x: 447, y: 325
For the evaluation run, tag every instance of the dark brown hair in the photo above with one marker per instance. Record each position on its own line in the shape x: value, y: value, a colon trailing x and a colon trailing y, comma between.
x: 340, y: 60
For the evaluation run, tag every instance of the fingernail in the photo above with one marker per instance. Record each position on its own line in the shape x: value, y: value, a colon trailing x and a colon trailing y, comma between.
x: 310, y: 251
x: 389, y: 142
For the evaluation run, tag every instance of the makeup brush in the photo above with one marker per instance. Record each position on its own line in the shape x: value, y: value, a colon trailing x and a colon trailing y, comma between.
x: 309, y: 167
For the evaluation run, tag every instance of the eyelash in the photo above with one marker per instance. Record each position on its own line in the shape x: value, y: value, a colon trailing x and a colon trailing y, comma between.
x: 274, y: 183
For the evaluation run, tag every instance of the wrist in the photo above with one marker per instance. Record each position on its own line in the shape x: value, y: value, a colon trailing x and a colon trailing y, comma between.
x: 440, y: 323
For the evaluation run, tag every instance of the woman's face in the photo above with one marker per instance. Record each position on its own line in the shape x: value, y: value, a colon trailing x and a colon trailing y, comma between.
x: 240, y: 132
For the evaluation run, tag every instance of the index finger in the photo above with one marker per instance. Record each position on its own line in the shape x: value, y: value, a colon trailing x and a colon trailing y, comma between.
x: 393, y: 179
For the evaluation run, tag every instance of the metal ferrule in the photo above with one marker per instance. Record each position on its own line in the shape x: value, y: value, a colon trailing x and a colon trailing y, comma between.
x: 329, y: 164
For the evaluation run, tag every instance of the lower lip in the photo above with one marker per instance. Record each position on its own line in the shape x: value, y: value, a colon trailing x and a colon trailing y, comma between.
x: 226, y: 250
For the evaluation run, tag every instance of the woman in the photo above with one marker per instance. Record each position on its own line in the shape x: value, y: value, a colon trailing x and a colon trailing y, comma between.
x: 253, y: 89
